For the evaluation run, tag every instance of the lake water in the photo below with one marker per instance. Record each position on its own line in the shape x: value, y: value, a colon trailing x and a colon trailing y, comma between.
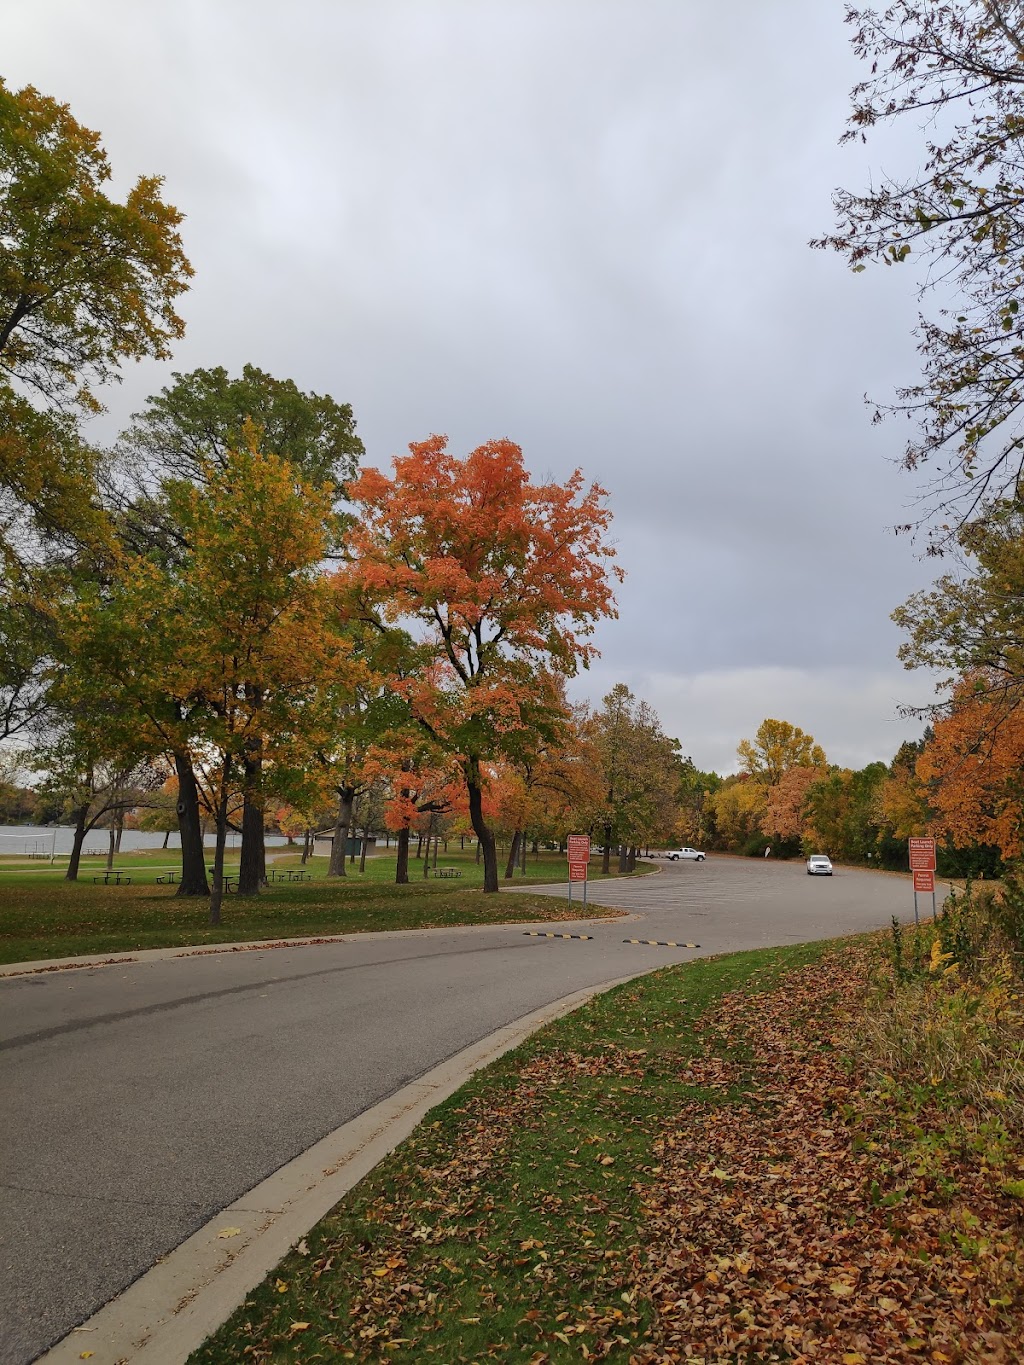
x: 40, y: 839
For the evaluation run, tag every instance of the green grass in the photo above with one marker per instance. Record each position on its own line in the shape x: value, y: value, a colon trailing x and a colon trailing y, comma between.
x: 509, y: 1223
x: 42, y: 916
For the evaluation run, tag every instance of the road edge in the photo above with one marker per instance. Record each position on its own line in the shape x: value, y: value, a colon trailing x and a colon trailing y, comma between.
x: 170, y: 1310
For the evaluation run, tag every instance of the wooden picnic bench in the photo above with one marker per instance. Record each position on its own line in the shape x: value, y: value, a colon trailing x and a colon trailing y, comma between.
x: 119, y: 877
x: 447, y: 872
x: 168, y: 878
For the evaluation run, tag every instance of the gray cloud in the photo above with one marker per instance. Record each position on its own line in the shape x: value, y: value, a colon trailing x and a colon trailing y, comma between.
x: 578, y: 223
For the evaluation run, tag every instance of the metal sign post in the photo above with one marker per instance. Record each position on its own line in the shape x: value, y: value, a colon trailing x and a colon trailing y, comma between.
x: 578, y: 846
x: 922, y: 865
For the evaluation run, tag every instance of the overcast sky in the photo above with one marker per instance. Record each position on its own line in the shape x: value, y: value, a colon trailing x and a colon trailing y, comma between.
x: 580, y: 224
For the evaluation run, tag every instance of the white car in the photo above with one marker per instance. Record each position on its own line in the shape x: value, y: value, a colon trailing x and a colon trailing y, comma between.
x: 678, y: 853
x: 819, y: 866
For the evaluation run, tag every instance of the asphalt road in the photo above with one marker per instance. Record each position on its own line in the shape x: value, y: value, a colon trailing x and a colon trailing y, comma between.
x: 139, y: 1100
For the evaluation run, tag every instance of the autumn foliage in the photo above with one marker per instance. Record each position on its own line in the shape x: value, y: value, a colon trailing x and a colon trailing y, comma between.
x: 972, y: 771
x: 502, y: 582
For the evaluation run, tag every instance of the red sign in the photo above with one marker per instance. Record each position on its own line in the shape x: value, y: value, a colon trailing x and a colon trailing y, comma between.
x: 922, y: 855
x: 924, y: 879
x: 579, y: 855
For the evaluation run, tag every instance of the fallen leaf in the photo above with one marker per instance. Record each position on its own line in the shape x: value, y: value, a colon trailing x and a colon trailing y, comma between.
x: 229, y: 1232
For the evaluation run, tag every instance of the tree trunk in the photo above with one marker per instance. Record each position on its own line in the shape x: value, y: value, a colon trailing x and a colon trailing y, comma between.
x: 307, y: 844
x: 513, y: 855
x: 190, y: 830
x: 419, y: 844
x: 402, y: 857
x: 606, y: 857
x: 623, y: 858
x: 118, y: 831
x: 167, y: 835
x: 632, y: 859
x: 81, y: 830
x: 217, y: 894
x: 252, y: 863
x: 362, y: 850
x: 342, y: 825
x: 485, y: 839
x: 110, y: 848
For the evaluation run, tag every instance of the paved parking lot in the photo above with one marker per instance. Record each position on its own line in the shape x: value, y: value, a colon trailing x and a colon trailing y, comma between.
x: 141, y: 1099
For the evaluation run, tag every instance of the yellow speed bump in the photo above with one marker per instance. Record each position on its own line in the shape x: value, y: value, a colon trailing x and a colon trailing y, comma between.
x: 534, y: 933
x: 660, y: 943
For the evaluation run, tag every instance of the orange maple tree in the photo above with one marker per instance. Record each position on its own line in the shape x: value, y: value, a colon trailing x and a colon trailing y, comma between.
x: 784, y: 808
x: 501, y: 580
x: 972, y: 770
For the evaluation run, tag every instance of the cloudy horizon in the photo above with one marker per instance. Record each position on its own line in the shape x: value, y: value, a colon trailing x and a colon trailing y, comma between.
x: 582, y: 226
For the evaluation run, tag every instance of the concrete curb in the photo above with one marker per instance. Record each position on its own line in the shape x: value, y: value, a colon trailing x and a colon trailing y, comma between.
x: 171, y: 1309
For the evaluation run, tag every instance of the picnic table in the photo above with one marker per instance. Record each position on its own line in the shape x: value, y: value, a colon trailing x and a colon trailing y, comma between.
x: 289, y: 874
x: 168, y: 878
x: 118, y: 875
x: 447, y: 872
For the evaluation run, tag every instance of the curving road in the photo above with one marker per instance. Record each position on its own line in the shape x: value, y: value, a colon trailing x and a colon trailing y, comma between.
x: 140, y: 1099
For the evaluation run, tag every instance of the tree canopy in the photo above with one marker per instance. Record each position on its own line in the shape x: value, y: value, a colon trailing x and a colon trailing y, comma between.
x: 776, y: 747
x: 957, y: 70
x: 503, y: 578
x: 200, y: 419
x: 86, y: 283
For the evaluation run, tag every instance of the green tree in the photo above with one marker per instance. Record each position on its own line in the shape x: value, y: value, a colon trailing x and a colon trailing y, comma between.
x: 641, y: 769
x: 696, y: 807
x: 86, y: 283
x: 196, y: 422
x: 971, y: 621
x: 192, y: 429
x: 228, y: 644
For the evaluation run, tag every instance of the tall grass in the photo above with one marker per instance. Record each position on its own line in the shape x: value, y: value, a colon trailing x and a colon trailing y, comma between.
x: 942, y: 1043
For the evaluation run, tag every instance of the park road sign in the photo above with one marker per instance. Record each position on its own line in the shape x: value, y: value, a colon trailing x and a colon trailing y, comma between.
x: 578, y: 847
x: 924, y: 880
x: 922, y: 855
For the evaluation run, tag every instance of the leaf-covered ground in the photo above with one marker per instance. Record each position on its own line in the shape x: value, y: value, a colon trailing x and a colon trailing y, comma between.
x: 693, y: 1167
x: 812, y: 1229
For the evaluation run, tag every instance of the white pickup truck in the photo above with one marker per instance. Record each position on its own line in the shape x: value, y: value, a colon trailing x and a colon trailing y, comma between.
x: 676, y: 853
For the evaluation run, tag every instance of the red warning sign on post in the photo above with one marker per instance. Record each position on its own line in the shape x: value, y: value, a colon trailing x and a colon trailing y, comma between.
x: 922, y: 855
x: 924, y: 879
x: 579, y: 855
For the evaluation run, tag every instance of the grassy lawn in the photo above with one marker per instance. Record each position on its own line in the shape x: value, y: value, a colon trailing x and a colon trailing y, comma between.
x: 42, y: 916
x: 707, y: 1164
